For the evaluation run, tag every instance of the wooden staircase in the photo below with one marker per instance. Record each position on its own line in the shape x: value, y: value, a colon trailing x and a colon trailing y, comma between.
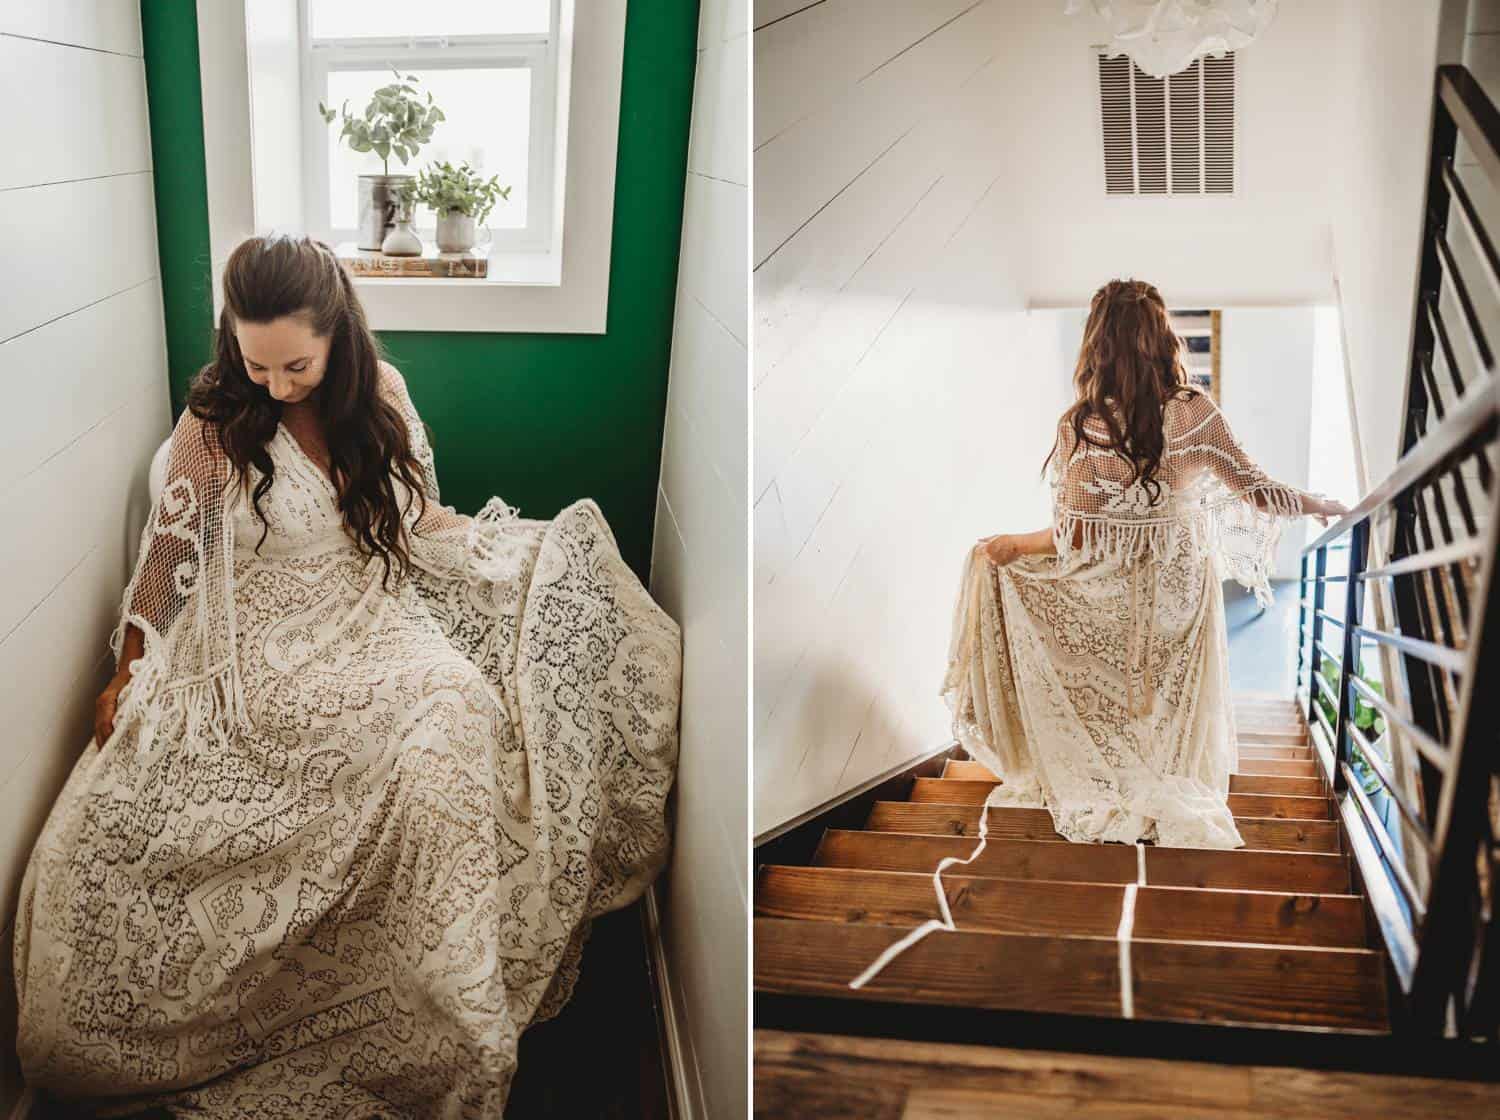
x: 1269, y: 935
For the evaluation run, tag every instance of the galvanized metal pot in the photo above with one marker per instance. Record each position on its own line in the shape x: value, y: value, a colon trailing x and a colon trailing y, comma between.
x: 378, y: 207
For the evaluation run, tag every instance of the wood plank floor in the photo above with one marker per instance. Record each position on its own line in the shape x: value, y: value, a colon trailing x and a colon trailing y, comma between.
x: 837, y: 1077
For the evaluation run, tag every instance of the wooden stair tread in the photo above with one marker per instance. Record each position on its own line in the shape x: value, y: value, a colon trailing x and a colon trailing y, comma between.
x: 1047, y: 906
x: 1269, y: 934
x: 1271, y: 834
x: 1281, y: 985
x: 1293, y: 785
x: 962, y: 791
x: 1225, y: 868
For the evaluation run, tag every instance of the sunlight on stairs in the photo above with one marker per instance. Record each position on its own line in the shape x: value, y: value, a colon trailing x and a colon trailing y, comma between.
x: 1266, y: 935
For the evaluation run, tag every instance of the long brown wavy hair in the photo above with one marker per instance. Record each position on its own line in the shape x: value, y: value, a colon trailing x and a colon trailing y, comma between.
x: 1129, y: 366
x: 265, y: 279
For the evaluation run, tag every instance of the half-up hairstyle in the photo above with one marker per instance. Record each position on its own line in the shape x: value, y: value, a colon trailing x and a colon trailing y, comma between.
x: 267, y: 278
x: 1129, y: 366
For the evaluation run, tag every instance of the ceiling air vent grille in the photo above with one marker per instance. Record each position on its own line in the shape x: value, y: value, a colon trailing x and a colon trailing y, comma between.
x: 1172, y: 135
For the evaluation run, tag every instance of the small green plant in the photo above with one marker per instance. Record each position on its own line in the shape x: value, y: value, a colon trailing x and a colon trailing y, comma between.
x: 1364, y: 716
x: 447, y: 189
x: 395, y: 121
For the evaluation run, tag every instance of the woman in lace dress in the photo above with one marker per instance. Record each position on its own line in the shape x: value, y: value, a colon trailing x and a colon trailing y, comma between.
x: 1089, y: 665
x: 368, y: 768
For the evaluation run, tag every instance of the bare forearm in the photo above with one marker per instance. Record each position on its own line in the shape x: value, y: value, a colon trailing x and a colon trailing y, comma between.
x: 1312, y: 505
x: 1039, y: 543
x: 1002, y: 548
x: 133, y: 646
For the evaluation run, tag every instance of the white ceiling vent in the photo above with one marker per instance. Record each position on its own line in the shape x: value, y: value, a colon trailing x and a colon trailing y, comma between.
x: 1172, y: 135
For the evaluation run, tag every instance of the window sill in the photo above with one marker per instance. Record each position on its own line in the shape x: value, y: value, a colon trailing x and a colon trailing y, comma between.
x: 516, y: 295
x: 502, y: 267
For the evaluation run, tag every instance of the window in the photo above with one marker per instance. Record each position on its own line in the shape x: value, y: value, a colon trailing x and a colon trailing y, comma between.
x: 490, y: 67
x: 531, y: 93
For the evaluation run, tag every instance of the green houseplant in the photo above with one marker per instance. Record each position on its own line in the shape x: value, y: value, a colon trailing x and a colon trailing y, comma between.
x: 1364, y: 717
x: 398, y: 122
x: 461, y: 198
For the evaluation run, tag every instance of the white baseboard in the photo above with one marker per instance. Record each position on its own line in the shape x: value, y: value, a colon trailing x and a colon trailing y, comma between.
x: 684, y: 1089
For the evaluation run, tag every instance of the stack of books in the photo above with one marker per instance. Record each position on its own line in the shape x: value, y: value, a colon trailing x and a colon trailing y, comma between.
x: 471, y: 265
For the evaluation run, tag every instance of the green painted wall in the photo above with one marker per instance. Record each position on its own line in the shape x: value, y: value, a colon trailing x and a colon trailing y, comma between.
x: 539, y: 419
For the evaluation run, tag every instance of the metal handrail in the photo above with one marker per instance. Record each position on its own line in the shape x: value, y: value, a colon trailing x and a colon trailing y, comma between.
x: 1475, y: 416
x: 1443, y: 641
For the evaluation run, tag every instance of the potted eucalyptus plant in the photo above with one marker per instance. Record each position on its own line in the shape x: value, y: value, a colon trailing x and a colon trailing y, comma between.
x: 461, y: 198
x: 395, y: 122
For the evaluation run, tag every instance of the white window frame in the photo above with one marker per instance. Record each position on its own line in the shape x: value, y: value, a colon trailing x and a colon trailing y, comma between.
x: 570, y: 295
x: 534, y: 52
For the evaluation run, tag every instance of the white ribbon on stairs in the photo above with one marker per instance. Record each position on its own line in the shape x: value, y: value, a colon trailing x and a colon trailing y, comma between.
x: 1122, y: 933
x: 1122, y: 937
x: 946, y: 921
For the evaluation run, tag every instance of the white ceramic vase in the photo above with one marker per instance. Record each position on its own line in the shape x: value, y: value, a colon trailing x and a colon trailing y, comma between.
x: 402, y: 241
x: 455, y: 232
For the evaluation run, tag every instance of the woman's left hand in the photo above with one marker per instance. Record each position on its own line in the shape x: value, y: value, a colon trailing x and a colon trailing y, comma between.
x: 1000, y: 549
x: 1328, y: 510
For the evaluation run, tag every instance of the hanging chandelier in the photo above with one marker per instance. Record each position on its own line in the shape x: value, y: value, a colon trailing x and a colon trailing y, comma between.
x: 1165, y: 36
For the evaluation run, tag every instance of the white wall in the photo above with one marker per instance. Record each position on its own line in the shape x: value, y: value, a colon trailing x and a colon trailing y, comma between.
x: 925, y: 171
x: 699, y: 574
x: 1265, y: 246
x: 898, y: 381
x: 1266, y: 393
x: 83, y: 368
x: 1385, y: 71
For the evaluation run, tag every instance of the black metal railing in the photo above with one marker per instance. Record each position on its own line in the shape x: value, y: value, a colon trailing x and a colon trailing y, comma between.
x: 1399, y: 655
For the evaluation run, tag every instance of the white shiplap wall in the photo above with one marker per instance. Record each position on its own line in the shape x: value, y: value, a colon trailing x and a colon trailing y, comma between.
x: 84, y: 372
x: 699, y: 574
x: 903, y: 399
x: 1381, y: 122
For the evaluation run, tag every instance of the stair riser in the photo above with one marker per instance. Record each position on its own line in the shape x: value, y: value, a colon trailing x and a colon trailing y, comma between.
x: 1253, y: 736
x: 1237, y: 869
x: 1264, y: 750
x: 1036, y: 824
x: 957, y: 791
x: 1338, y: 988
x: 1296, y: 768
x: 1078, y: 909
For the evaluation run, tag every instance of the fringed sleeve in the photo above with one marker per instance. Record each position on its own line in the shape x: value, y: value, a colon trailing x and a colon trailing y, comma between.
x: 1206, y: 487
x: 1245, y: 512
x: 185, y: 687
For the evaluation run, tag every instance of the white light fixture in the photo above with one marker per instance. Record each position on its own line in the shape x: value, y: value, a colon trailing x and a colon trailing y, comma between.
x: 1164, y: 36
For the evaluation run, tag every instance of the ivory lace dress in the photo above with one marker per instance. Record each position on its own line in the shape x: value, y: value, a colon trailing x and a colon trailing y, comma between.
x: 1096, y: 682
x: 345, y: 841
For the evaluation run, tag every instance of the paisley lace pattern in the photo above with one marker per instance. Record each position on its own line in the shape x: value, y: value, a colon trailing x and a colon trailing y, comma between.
x: 354, y: 905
